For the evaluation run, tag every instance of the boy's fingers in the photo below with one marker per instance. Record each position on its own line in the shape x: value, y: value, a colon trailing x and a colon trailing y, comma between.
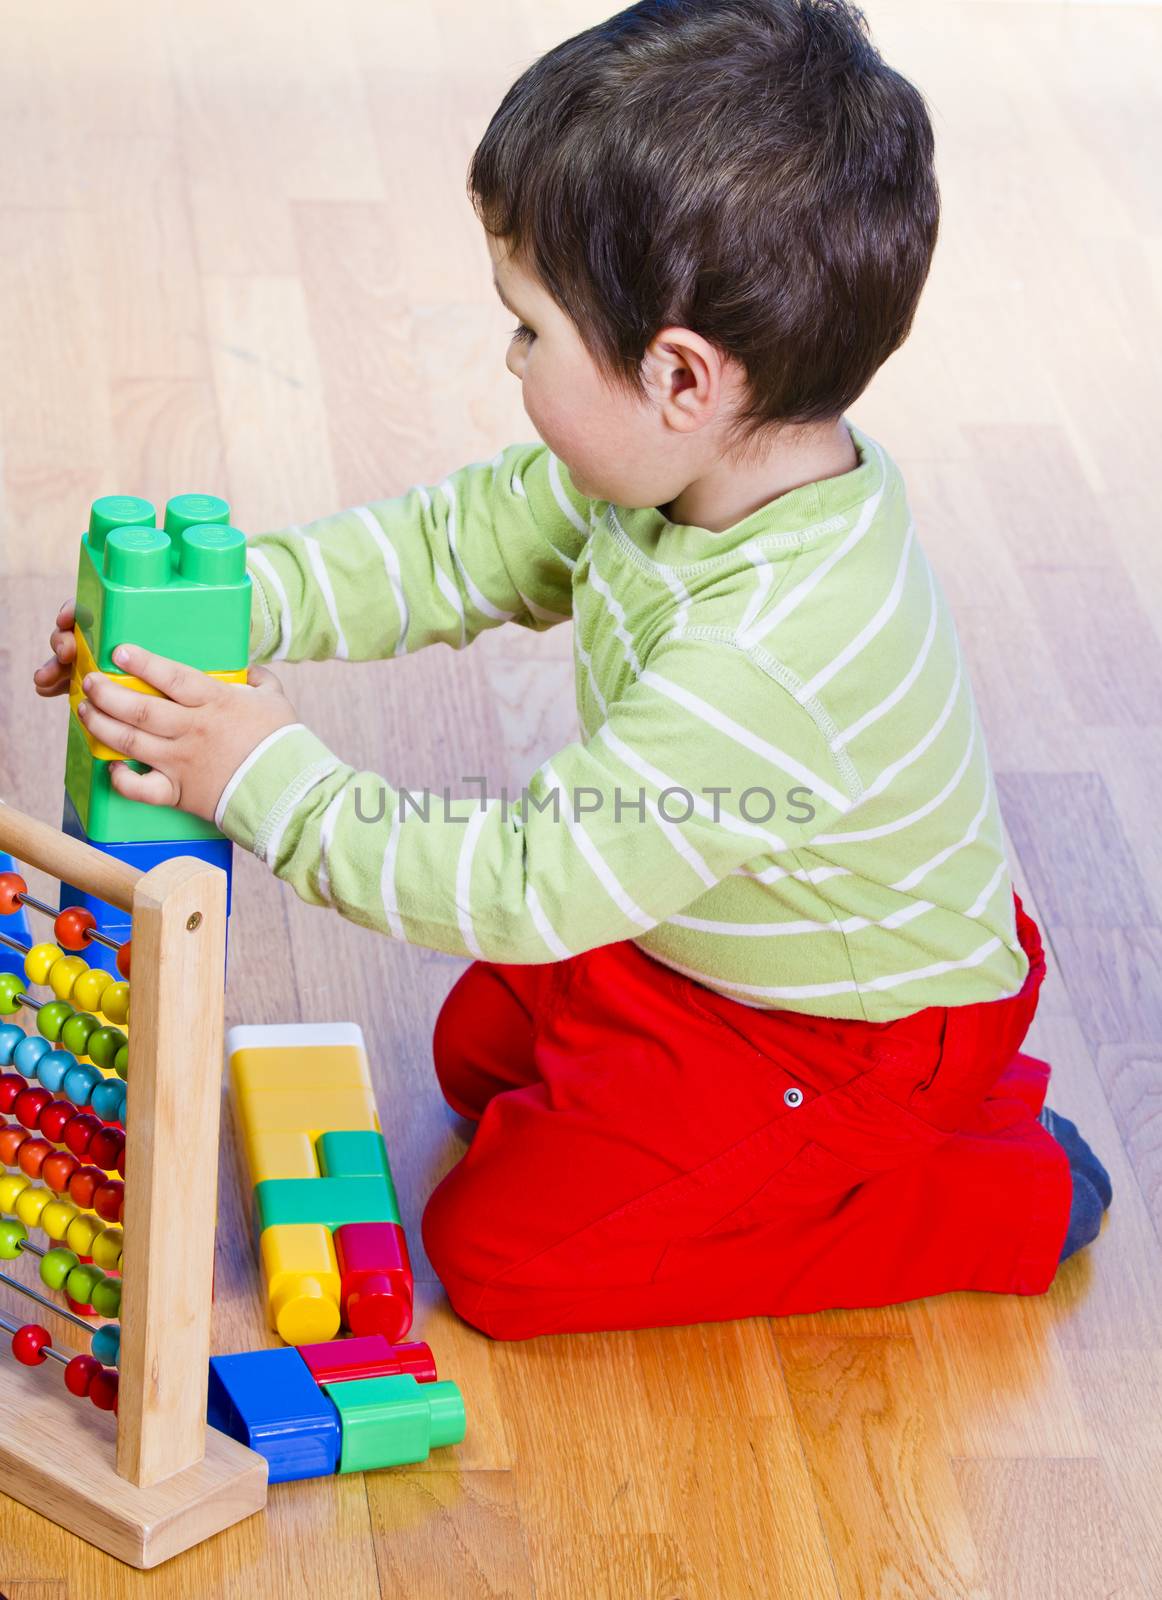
x: 66, y: 616
x: 64, y: 646
x: 133, y: 743
x: 186, y: 685
x: 152, y: 787
x: 263, y: 678
x: 146, y: 712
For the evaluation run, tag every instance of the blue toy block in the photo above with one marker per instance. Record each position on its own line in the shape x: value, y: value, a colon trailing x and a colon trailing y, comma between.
x: 269, y: 1401
x: 14, y: 926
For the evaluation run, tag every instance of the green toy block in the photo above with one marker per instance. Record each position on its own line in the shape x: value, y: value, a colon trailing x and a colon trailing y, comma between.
x: 106, y: 816
x: 356, y: 1154
x: 182, y: 591
x: 388, y: 1422
x: 331, y: 1201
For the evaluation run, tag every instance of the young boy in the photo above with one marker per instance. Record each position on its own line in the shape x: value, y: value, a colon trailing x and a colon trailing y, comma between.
x: 741, y: 1035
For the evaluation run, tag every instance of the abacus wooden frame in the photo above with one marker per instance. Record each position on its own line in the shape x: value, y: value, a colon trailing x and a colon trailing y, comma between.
x: 173, y: 1481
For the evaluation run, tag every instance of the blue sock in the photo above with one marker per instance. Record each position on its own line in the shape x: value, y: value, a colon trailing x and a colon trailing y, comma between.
x: 1092, y: 1190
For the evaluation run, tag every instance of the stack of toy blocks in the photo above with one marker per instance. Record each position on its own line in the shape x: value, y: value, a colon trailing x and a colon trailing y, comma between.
x: 183, y: 591
x: 333, y: 1254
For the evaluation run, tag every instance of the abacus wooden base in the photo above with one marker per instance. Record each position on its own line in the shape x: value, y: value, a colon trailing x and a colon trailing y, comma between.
x: 56, y: 1456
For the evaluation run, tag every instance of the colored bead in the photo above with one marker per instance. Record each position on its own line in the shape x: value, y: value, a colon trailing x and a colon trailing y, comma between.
x: 77, y: 1031
x: 64, y: 973
x: 30, y: 1203
x: 58, y: 1169
x: 54, y: 1119
x: 11, y: 1138
x: 10, y: 1037
x: 80, y: 1083
x: 123, y: 959
x: 107, y: 1145
x: 115, y: 1002
x: 11, y: 1084
x: 12, y: 1185
x: 82, y: 1230
x: 80, y: 1283
x: 83, y: 1185
x: 27, y: 1056
x: 73, y: 927
x: 11, y: 988
x: 103, y: 1390
x: 79, y: 1374
x: 54, y: 1066
x: 33, y: 1154
x: 108, y: 1200
x: 107, y: 1249
x: 104, y: 1045
x: 79, y: 1132
x: 108, y: 1099
x: 57, y: 1217
x: 27, y: 1107
x: 12, y: 886
x: 90, y: 987
x: 55, y: 1266
x: 121, y: 1062
x: 39, y: 962
x: 51, y: 1018
x: 106, y: 1300
x: 28, y: 1345
x: 12, y: 1237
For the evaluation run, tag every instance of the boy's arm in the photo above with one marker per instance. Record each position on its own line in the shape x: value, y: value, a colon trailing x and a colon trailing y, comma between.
x: 495, y: 541
x: 540, y: 881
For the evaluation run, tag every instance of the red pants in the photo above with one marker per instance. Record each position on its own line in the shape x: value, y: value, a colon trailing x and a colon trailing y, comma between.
x: 650, y: 1152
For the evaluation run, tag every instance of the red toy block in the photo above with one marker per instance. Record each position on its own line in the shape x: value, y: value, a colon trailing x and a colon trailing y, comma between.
x: 372, y: 1356
x: 376, y: 1289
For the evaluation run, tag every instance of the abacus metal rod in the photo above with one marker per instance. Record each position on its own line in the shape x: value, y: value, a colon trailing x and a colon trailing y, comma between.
x: 10, y: 1326
x: 41, y: 1300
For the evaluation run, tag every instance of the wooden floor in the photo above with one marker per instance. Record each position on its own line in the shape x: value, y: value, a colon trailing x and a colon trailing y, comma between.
x: 235, y: 255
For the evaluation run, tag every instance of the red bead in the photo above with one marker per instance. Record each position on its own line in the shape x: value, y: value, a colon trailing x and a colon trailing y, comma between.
x: 28, y: 1106
x: 11, y: 1084
x: 80, y: 1373
x: 58, y: 1169
x: 103, y: 1389
x: 28, y: 1345
x: 54, y: 1119
x: 72, y: 926
x: 121, y: 1163
x: 11, y: 1138
x: 123, y: 959
x: 12, y: 886
x: 108, y: 1200
x: 79, y: 1132
x: 33, y: 1154
x: 84, y: 1184
x: 106, y: 1146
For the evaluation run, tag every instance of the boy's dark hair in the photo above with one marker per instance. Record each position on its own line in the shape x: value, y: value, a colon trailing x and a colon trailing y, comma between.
x: 751, y: 169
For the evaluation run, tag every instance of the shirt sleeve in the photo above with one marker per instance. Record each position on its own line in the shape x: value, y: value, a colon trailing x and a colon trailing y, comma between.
x: 496, y: 541
x: 611, y: 836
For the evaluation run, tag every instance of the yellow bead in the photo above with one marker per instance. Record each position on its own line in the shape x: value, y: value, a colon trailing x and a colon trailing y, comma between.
x: 89, y: 988
x: 11, y: 1185
x: 39, y: 961
x: 30, y: 1203
x: 56, y: 1217
x: 115, y: 1002
x: 107, y: 1249
x: 82, y: 1231
x: 64, y: 973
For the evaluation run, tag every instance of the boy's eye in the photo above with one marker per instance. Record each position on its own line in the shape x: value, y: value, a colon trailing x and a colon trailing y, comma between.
x: 522, y: 334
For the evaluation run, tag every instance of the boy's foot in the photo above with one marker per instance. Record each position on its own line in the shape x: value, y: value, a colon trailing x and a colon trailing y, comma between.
x: 1092, y: 1190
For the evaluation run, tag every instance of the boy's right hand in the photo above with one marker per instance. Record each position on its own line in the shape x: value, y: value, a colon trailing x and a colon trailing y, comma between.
x: 53, y: 677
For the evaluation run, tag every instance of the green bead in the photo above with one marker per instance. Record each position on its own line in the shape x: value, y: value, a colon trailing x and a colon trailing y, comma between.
x: 12, y: 1237
x: 121, y: 1062
x: 55, y: 1267
x: 51, y: 1018
x: 104, y: 1044
x: 106, y: 1297
x: 117, y: 511
x: 10, y: 987
x: 81, y: 1282
x: 76, y: 1032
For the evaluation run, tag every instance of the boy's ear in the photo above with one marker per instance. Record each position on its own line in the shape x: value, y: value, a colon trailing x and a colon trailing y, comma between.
x: 683, y: 373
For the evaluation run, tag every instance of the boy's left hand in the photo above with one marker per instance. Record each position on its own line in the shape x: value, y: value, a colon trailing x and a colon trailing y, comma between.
x: 193, y: 740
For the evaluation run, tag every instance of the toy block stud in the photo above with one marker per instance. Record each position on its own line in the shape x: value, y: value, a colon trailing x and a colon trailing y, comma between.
x: 341, y: 1360
x: 376, y: 1288
x: 302, y: 1282
x: 387, y: 1422
x: 268, y: 1400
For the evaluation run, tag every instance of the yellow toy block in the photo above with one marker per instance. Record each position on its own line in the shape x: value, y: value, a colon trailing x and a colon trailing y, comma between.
x: 280, y: 1155
x: 302, y: 1282
x: 336, y: 1067
x: 296, y: 1111
x: 84, y: 663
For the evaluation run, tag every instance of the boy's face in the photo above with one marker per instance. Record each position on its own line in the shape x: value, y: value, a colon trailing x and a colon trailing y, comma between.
x: 615, y: 447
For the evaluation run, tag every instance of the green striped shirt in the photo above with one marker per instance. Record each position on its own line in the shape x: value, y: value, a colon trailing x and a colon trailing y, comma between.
x: 781, y: 786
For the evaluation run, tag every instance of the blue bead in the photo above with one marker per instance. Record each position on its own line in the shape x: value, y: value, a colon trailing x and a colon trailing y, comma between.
x: 106, y: 1344
x: 107, y: 1100
x: 10, y: 1037
x: 28, y: 1052
x: 80, y: 1083
x: 53, y: 1067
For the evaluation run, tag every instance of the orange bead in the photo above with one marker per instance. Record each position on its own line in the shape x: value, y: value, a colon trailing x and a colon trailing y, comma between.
x: 11, y: 1138
x: 58, y: 1169
x: 123, y: 959
x: 72, y: 927
x: 33, y: 1154
x: 83, y: 1185
x: 12, y: 886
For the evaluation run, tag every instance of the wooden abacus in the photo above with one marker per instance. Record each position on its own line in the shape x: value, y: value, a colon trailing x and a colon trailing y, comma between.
x: 154, y: 1479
